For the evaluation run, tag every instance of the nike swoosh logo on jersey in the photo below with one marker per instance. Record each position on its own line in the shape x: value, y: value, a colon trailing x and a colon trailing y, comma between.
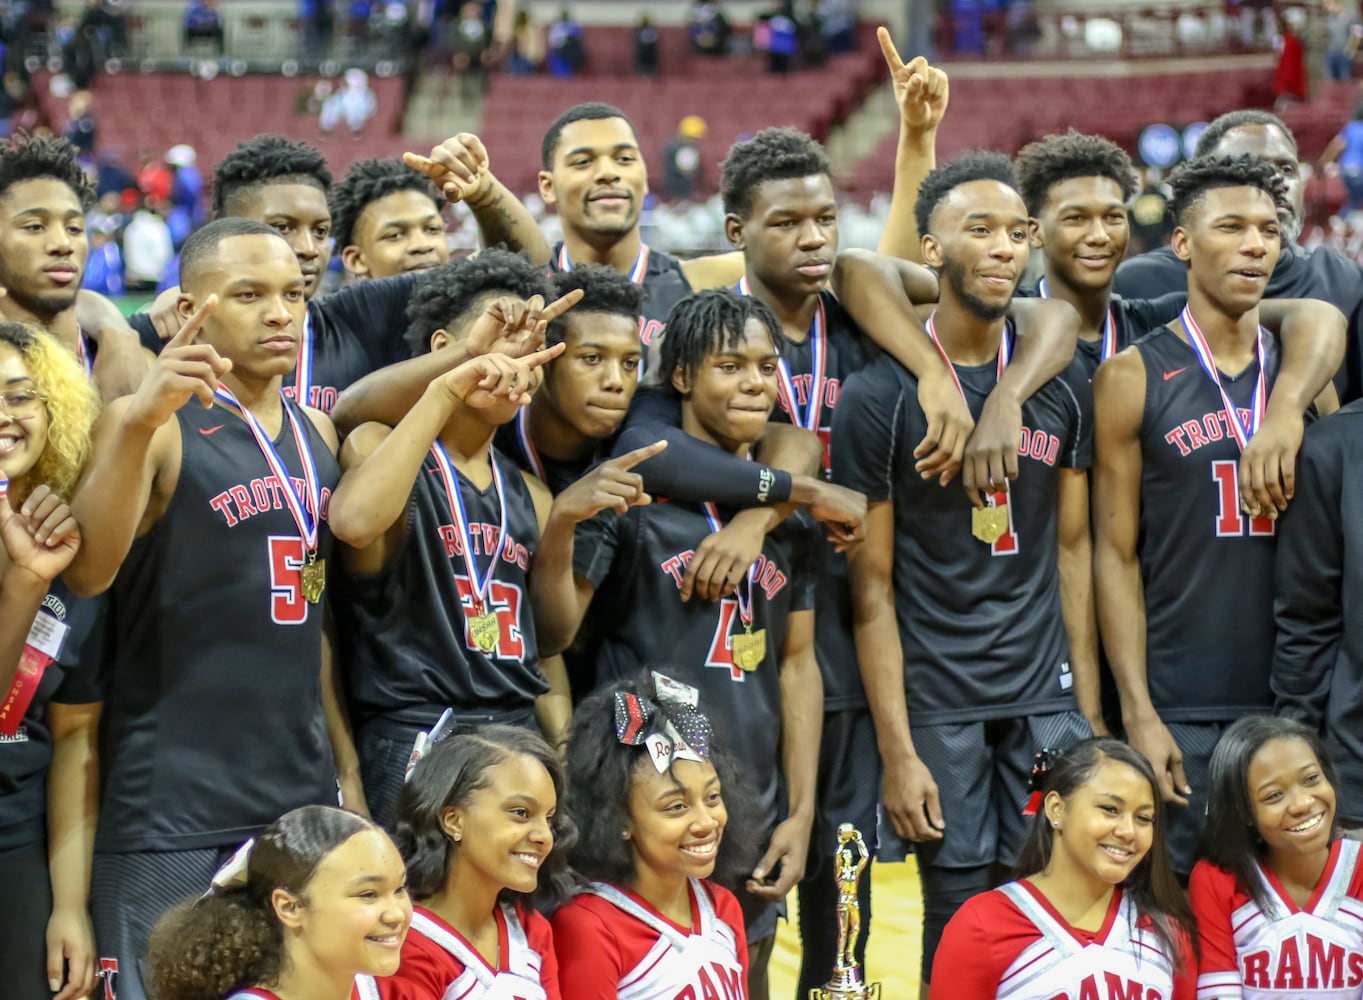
x: 1176, y: 371
x: 206, y: 431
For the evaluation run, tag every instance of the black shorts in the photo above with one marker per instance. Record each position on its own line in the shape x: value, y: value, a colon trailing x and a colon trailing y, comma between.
x: 981, y: 770
x: 849, y: 780
x: 1196, y: 740
x: 23, y: 921
x: 129, y: 893
x: 385, y: 748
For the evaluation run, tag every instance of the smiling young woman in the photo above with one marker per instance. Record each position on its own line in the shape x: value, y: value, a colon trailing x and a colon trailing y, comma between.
x: 654, y: 797
x: 482, y: 830
x: 1278, y: 893
x: 1096, y: 902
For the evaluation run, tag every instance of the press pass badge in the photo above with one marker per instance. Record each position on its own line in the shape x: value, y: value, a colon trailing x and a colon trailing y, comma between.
x: 46, y: 640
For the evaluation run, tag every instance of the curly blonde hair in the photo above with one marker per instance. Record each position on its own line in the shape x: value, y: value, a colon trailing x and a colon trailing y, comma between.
x: 72, y: 405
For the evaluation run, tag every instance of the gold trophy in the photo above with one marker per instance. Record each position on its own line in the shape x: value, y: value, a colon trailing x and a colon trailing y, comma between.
x: 849, y: 864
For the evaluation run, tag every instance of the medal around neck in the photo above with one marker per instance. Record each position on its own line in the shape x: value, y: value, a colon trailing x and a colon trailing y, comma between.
x: 849, y: 866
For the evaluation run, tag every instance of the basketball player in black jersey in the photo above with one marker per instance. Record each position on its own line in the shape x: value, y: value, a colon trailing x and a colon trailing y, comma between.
x: 975, y: 626
x: 1076, y: 188
x: 566, y: 429
x: 44, y: 195
x: 752, y: 654
x: 1321, y: 273
x: 1184, y: 577
x: 220, y: 713
x: 438, y: 611
x: 386, y: 220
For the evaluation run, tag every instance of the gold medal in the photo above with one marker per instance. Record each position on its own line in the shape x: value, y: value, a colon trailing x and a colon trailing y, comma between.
x: 485, y: 630
x: 989, y: 524
x: 750, y: 649
x: 314, y: 578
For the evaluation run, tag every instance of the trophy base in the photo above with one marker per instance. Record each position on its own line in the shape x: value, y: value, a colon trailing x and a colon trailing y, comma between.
x: 847, y: 989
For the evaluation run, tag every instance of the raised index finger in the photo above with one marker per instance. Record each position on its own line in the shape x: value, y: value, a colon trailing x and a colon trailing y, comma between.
x: 538, y: 358
x: 888, y: 50
x: 422, y: 163
x: 194, y: 324
x: 632, y: 458
x: 560, y: 306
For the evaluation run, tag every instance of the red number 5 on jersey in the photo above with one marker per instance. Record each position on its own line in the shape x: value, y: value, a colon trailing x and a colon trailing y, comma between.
x: 287, y: 606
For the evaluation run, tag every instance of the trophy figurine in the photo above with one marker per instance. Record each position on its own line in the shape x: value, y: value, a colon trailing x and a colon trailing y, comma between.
x: 850, y: 862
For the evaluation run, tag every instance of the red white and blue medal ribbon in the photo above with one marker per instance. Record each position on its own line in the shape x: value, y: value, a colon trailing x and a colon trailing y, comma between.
x: 302, y: 374
x: 1109, y: 325
x: 305, y: 515
x: 818, y: 362
x: 83, y: 353
x: 528, y: 448
x: 1005, y: 354
x: 461, y: 523
x: 636, y: 273
x: 1208, y: 362
x: 744, y: 601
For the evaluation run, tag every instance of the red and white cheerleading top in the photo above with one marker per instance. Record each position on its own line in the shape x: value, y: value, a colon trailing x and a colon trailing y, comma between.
x: 365, y: 988
x: 612, y: 944
x: 1011, y: 944
x: 1287, y: 952
x: 438, y: 963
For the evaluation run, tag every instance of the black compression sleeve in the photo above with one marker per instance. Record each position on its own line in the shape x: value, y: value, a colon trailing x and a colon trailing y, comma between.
x: 690, y: 469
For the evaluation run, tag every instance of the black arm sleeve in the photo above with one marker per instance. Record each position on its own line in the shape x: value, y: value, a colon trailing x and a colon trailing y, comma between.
x: 689, y: 469
x: 1307, y: 580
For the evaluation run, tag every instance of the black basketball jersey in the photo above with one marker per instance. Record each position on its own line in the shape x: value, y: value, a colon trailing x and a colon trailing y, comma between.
x: 664, y: 284
x: 213, y: 722
x: 71, y: 679
x: 1130, y: 320
x: 845, y: 351
x: 637, y: 561
x: 349, y: 334
x: 1207, y: 568
x: 410, y: 650
x: 513, y: 440
x: 980, y: 624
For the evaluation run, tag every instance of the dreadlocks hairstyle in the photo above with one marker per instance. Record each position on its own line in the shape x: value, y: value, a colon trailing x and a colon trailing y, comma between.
x: 773, y: 154
x: 448, y: 295
x: 601, y: 773
x: 1230, y: 836
x: 1191, y: 180
x: 1152, y: 884
x: 267, y: 159
x: 709, y: 321
x: 592, y: 111
x: 604, y: 290
x: 449, y: 774
x: 29, y: 157
x: 1043, y: 164
x: 232, y: 939
x: 1213, y: 134
x: 72, y: 405
x: 365, y: 183
x: 974, y: 165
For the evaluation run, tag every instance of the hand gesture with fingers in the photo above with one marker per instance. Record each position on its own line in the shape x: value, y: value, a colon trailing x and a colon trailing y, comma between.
x: 938, y: 456
x: 991, y: 454
x: 183, y: 370
x: 41, y: 538
x: 721, y: 561
x: 458, y: 166
x: 920, y: 90
x: 612, y: 485
x: 1268, y: 466
x: 516, y: 327
x: 490, y: 379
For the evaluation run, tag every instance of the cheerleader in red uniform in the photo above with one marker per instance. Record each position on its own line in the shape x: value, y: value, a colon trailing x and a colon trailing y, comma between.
x: 1097, y: 911
x: 653, y: 799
